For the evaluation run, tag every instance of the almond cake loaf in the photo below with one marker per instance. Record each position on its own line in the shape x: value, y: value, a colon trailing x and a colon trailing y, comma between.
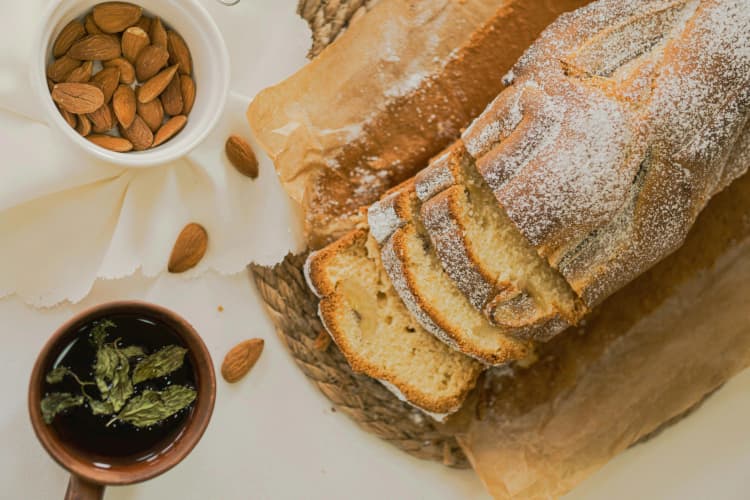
x: 619, y: 124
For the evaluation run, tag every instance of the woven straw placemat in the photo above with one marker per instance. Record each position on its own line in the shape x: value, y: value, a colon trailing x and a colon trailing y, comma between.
x: 328, y: 19
x: 293, y: 309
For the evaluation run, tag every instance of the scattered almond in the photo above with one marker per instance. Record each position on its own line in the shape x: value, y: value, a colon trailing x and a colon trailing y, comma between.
x: 150, y: 61
x: 241, y: 359
x: 102, y: 120
x: 68, y: 117
x: 187, y: 88
x: 156, y: 85
x: 78, y: 98
x: 169, y: 129
x: 113, y: 17
x: 123, y: 104
x: 96, y: 48
x: 117, y: 144
x: 189, y: 248
x: 82, y: 74
x: 133, y: 40
x: 152, y: 113
x: 84, y: 125
x: 108, y: 80
x: 171, y: 98
x: 179, y: 52
x: 322, y: 341
x: 241, y: 155
x: 158, y: 34
x: 91, y: 27
x: 127, y: 71
x: 61, y: 68
x: 71, y: 33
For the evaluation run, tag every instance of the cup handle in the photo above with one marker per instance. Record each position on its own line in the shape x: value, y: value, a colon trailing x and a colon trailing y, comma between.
x: 80, y: 489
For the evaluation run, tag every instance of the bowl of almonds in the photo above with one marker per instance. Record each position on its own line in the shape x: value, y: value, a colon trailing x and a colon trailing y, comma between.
x: 137, y: 84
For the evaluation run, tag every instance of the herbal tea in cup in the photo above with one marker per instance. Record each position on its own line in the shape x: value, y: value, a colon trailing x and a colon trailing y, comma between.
x: 121, y: 387
x: 121, y: 393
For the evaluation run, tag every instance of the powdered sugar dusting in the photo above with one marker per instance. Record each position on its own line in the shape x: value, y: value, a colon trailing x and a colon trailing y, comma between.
x: 620, y: 82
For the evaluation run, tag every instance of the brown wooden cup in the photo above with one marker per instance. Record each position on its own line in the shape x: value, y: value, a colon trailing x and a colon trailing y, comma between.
x: 88, y: 478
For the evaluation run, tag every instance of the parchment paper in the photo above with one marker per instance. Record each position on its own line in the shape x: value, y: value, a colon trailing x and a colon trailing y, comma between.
x: 648, y: 354
x: 389, y: 94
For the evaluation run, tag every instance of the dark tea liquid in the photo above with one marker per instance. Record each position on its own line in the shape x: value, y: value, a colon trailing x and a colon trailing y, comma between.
x: 119, y: 442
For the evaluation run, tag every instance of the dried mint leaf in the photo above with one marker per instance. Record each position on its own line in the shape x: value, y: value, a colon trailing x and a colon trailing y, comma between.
x: 152, y: 407
x: 54, y: 403
x: 112, y: 376
x: 133, y: 351
x: 121, y: 387
x: 57, y: 375
x: 107, y: 361
x: 101, y: 407
x: 162, y: 362
x: 99, y: 332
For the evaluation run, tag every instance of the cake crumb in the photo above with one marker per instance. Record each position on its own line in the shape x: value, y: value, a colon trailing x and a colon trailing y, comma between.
x: 220, y: 308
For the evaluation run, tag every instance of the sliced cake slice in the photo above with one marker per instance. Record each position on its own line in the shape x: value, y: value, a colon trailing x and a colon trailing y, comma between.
x: 427, y: 291
x: 490, y: 261
x: 375, y: 332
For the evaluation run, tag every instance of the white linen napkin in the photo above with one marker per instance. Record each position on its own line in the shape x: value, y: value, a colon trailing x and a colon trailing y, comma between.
x: 67, y: 219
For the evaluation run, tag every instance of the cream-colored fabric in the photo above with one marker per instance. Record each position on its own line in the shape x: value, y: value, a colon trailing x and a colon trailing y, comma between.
x: 67, y: 219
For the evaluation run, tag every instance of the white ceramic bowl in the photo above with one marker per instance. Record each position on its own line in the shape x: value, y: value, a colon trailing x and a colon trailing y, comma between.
x: 210, y: 71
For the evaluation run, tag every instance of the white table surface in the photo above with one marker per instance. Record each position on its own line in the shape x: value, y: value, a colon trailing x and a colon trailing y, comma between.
x: 274, y: 436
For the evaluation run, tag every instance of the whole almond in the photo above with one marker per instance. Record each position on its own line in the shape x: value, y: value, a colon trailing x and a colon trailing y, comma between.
x: 134, y: 40
x: 139, y: 134
x: 78, y: 98
x: 127, y: 71
x: 240, y: 359
x: 149, y: 62
x: 96, y: 48
x: 91, y: 27
x: 156, y: 85
x: 187, y: 88
x: 158, y: 34
x: 152, y: 113
x: 50, y: 84
x: 242, y: 156
x: 189, y: 248
x: 61, y: 68
x: 123, y: 104
x: 84, y: 125
x: 72, y: 32
x: 171, y: 98
x: 69, y: 117
x: 144, y: 23
x: 81, y: 74
x: 169, y: 129
x: 113, y: 17
x: 179, y: 52
x: 102, y: 120
x: 108, y: 80
x: 117, y: 144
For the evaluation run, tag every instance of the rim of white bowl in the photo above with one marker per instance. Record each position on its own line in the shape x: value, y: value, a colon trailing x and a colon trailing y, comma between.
x: 176, y: 148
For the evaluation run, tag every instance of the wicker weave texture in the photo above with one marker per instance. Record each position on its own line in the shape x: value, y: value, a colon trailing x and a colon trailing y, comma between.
x: 328, y: 19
